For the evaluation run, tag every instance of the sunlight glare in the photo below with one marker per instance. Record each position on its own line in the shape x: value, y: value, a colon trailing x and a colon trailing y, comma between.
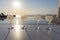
x: 18, y: 16
x: 17, y: 28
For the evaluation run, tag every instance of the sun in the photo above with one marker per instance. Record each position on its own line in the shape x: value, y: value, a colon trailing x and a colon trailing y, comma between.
x: 17, y: 4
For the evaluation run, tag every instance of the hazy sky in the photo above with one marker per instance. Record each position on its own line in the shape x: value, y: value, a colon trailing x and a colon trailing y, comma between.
x: 29, y: 7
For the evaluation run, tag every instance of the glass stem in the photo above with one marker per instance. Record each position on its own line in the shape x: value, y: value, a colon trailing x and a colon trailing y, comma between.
x: 23, y: 24
x: 37, y: 22
x: 10, y: 23
x: 49, y: 23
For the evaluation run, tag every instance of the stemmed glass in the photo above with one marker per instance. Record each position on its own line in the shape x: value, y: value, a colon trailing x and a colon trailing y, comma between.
x: 10, y: 18
x: 37, y: 18
x: 49, y: 19
x: 24, y: 18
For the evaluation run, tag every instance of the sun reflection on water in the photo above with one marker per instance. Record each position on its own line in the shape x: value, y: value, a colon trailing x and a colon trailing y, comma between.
x: 17, y: 28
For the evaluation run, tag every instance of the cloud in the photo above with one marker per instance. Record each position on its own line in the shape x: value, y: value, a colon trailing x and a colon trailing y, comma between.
x: 27, y: 11
x: 41, y: 12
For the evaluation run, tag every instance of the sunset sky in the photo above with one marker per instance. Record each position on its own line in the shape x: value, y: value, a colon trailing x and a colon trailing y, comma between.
x: 30, y: 7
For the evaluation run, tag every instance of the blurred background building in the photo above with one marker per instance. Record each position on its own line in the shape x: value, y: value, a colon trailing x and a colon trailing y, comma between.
x: 57, y: 18
x: 58, y: 14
